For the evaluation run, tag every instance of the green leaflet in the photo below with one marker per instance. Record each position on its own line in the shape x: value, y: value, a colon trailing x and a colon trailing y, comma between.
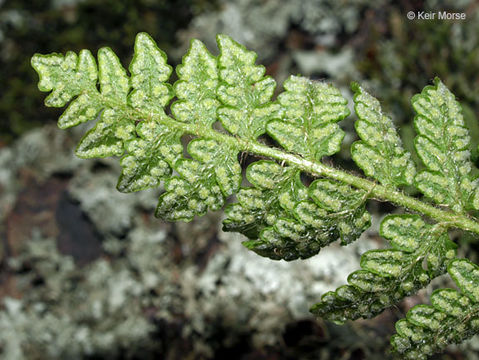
x: 151, y: 156
x: 155, y: 148
x: 74, y: 75
x: 107, y: 137
x: 310, y: 111
x: 380, y: 152
x: 466, y: 276
x: 68, y: 76
x: 244, y: 91
x: 149, y: 63
x: 213, y: 174
x: 275, y: 192
x: 196, y: 89
x: 391, y: 274
x: 345, y: 208
x: 443, y: 146
x: 114, y: 126
x: 283, y: 224
x: 451, y: 318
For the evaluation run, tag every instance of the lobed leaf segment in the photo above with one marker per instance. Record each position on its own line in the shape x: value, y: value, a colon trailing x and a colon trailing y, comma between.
x: 224, y: 104
x: 419, y: 252
x: 452, y: 317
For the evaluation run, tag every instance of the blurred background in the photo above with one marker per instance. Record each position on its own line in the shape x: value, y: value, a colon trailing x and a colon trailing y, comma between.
x: 88, y: 273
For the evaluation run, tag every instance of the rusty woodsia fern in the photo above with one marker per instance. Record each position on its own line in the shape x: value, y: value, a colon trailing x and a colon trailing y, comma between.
x: 141, y: 118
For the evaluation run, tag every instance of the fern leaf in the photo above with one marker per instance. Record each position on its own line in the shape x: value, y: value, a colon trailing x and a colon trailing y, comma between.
x: 149, y: 71
x: 451, y: 318
x: 345, y: 208
x: 72, y: 76
x: 391, y: 274
x: 281, y: 221
x: 443, y: 146
x: 196, y: 87
x: 310, y: 112
x: 153, y: 151
x: 379, y: 152
x: 152, y: 155
x: 115, y: 126
x: 275, y: 192
x: 213, y: 174
x: 244, y: 91
x: 466, y: 276
x: 67, y: 77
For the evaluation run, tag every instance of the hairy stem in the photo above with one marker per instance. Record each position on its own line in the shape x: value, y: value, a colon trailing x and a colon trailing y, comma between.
x: 375, y: 190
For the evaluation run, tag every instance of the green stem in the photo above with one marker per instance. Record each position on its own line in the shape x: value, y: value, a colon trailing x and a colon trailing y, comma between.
x: 374, y: 190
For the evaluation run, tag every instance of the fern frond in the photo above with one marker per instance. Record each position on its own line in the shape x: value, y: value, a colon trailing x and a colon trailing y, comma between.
x: 234, y: 90
x: 287, y: 224
x: 115, y: 126
x: 148, y: 64
x: 66, y: 77
x: 310, y: 111
x: 389, y: 275
x: 379, y: 153
x: 451, y: 318
x: 213, y: 174
x: 443, y: 146
x: 286, y: 220
x: 196, y: 87
x: 244, y: 91
x: 155, y: 148
x: 282, y: 217
x: 150, y: 156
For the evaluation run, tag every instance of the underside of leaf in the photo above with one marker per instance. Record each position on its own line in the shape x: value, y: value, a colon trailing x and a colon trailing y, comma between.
x: 310, y: 111
x: 389, y: 275
x: 286, y: 220
x: 222, y: 105
x: 451, y: 318
x: 443, y: 146
x: 380, y: 152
